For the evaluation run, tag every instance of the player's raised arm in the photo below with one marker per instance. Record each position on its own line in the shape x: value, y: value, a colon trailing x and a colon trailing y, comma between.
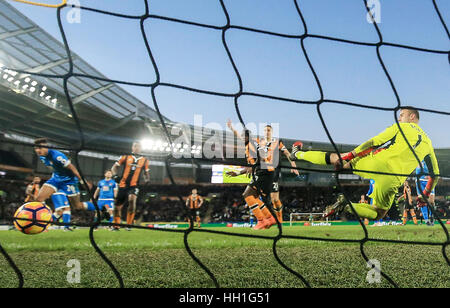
x: 117, y: 164
x: 433, y: 169
x: 230, y: 126
x: 365, y: 148
x: 187, y: 201
x: 147, y: 172
x: 29, y: 191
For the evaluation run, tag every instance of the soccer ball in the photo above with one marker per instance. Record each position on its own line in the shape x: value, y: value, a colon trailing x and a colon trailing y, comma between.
x: 36, y: 211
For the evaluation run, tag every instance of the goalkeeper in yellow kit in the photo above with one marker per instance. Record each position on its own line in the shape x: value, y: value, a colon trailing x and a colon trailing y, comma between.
x: 396, y: 157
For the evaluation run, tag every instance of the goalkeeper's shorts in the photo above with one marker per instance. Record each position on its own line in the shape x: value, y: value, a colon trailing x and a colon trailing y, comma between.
x: 385, y: 187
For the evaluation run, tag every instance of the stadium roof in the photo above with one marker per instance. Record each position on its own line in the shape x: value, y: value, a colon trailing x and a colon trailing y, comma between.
x: 37, y: 106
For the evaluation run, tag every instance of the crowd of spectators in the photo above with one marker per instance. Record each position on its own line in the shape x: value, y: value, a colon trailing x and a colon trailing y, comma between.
x: 223, y: 203
x: 12, y: 195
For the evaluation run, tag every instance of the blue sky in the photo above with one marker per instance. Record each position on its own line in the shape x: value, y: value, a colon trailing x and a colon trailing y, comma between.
x: 195, y: 57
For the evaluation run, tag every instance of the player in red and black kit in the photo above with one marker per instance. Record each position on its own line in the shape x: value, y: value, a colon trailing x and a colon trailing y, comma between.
x: 134, y: 166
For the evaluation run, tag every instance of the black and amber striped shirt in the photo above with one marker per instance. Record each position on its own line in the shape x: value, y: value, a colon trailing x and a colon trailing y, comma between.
x: 194, y: 201
x: 268, y: 154
x: 133, y: 167
x: 32, y: 192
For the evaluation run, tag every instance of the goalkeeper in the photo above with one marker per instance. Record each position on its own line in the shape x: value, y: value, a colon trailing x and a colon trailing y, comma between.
x: 397, y: 158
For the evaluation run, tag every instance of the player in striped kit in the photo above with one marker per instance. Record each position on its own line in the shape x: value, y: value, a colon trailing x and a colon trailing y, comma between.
x: 32, y: 189
x: 134, y: 166
x: 262, y: 180
x: 194, y: 202
x: 406, y: 198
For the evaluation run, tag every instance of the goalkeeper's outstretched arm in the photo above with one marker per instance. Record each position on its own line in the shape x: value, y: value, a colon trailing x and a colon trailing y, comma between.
x: 433, y: 169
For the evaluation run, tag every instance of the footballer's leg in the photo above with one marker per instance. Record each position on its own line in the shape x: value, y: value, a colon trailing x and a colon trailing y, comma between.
x: 430, y: 213
x: 131, y: 212
x: 264, y: 187
x: 383, y: 195
x: 197, y: 218
x: 45, y: 192
x: 110, y: 208
x: 318, y: 157
x: 121, y: 198
x: 117, y: 216
x: 405, y: 216
x: 276, y: 202
x: 363, y: 210
x: 75, y: 201
x: 62, y: 209
x: 254, y: 203
x: 413, y: 215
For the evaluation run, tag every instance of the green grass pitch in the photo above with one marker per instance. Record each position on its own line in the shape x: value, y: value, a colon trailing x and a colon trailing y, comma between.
x: 151, y: 258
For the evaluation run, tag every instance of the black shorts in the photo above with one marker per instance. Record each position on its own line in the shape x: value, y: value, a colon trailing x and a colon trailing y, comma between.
x: 194, y: 212
x: 408, y: 206
x: 124, y: 192
x: 276, y: 180
x: 277, y: 175
x: 275, y: 187
x: 262, y: 183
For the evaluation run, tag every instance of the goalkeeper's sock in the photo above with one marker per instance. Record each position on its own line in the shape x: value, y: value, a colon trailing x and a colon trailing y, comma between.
x: 424, y: 210
x: 364, y: 210
x: 315, y: 157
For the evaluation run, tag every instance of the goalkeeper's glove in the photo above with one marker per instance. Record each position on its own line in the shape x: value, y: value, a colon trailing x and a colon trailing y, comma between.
x: 349, y: 156
x: 116, y: 178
